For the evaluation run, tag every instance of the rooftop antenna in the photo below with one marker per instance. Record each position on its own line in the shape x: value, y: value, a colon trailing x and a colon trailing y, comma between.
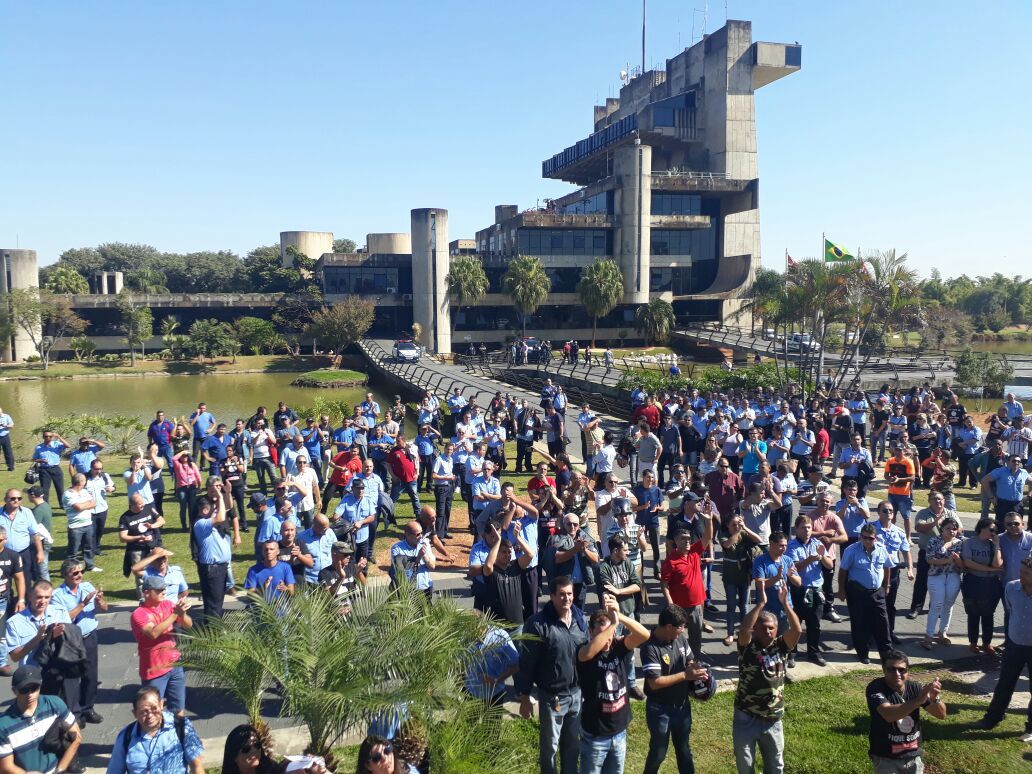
x: 643, y: 36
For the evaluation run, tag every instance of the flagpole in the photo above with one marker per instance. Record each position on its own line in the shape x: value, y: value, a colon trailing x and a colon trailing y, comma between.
x: 824, y: 247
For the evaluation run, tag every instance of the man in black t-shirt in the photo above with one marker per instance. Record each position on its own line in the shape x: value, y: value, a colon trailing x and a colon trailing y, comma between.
x: 602, y: 674
x: 895, y: 703
x: 670, y: 668
x: 294, y: 553
x: 502, y: 576
x: 140, y: 530
x: 12, y: 580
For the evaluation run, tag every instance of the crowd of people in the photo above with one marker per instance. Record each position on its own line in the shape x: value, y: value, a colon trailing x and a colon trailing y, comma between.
x: 767, y: 490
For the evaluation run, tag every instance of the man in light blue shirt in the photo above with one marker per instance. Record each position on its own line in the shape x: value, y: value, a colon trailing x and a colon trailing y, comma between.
x: 202, y: 423
x: 80, y: 460
x: 413, y: 558
x: 48, y: 456
x: 852, y: 510
x: 6, y: 423
x: 863, y: 581
x: 486, y: 677
x: 895, y: 542
x: 1013, y: 407
x: 81, y: 600
x: 26, y: 630
x: 810, y: 559
x: 355, y: 513
x: 320, y: 539
x: 850, y: 459
x: 214, y: 553
x: 1010, y: 481
x: 23, y: 535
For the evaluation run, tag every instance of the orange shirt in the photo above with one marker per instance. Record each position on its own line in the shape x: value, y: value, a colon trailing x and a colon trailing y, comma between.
x: 904, y: 467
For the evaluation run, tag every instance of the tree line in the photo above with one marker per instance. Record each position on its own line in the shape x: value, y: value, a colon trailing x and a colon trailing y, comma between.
x: 148, y: 270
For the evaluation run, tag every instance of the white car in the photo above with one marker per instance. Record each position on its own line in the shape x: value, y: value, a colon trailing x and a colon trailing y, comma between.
x: 406, y: 352
x: 803, y: 342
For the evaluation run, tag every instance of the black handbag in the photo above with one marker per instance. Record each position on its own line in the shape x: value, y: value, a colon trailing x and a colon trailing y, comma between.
x: 58, y: 738
x: 32, y: 474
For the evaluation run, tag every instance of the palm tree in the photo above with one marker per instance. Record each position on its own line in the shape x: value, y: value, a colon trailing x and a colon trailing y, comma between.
x: 528, y: 284
x: 655, y: 320
x: 395, y: 650
x: 467, y: 281
x: 600, y: 289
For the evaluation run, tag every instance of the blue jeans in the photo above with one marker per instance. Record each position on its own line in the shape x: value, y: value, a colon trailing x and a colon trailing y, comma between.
x: 662, y: 722
x: 602, y: 754
x: 80, y: 543
x: 413, y: 491
x: 560, y: 730
x: 904, y: 505
x: 172, y: 687
x: 736, y: 595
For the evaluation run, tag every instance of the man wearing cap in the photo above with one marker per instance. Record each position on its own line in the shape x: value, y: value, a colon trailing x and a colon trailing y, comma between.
x: 48, y: 456
x: 343, y: 577
x: 156, y: 564
x: 80, y: 459
x: 152, y: 624
x: 26, y: 722
x: 354, y: 514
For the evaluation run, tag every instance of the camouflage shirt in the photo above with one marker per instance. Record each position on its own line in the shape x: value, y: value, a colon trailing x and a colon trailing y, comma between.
x: 761, y: 679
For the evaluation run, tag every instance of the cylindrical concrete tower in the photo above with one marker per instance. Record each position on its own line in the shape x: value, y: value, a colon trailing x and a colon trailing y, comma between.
x: 430, y: 267
x: 20, y: 270
x: 311, y: 243
x: 389, y: 244
x: 632, y: 165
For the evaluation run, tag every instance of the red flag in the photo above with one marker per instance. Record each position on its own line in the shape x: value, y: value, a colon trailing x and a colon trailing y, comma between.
x: 789, y: 263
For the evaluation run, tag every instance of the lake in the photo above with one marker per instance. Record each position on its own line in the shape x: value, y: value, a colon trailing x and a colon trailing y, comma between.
x: 229, y: 397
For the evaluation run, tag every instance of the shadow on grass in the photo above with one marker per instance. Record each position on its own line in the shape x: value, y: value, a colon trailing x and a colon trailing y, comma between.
x: 188, y: 367
x: 281, y: 363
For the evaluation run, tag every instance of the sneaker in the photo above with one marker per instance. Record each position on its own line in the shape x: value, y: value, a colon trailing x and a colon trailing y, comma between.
x: 96, y: 569
x: 791, y: 660
x: 913, y: 613
x: 1027, y: 737
x: 710, y: 607
x: 833, y: 617
x: 818, y: 659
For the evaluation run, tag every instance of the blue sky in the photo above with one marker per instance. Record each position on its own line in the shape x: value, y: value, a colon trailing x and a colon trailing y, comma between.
x: 216, y: 125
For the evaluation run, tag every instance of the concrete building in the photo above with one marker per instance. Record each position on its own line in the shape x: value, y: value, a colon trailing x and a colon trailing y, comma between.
x: 312, y: 243
x: 19, y: 270
x: 669, y: 190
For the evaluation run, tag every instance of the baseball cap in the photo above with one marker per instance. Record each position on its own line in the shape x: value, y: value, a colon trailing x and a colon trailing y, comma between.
x: 340, y: 547
x: 692, y: 497
x: 34, y: 491
x: 703, y: 690
x: 153, y: 583
x: 256, y: 500
x: 27, y: 675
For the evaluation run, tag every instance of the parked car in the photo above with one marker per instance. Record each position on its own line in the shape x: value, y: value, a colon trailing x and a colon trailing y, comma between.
x: 803, y: 342
x: 406, y: 351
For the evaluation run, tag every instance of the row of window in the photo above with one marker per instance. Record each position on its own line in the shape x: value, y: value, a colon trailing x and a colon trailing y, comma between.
x: 676, y: 204
x: 599, y: 203
x: 506, y: 318
x: 359, y: 280
x: 554, y: 241
x: 699, y: 244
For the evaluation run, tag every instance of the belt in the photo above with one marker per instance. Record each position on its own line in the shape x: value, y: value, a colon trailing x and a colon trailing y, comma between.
x: 857, y: 584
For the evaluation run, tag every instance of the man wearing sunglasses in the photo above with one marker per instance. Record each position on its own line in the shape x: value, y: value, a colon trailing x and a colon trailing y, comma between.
x: 863, y: 585
x: 27, y: 720
x: 895, y: 703
x: 156, y: 736
x: 23, y: 536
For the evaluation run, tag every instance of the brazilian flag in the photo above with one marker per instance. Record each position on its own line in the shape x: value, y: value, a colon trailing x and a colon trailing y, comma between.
x: 832, y: 252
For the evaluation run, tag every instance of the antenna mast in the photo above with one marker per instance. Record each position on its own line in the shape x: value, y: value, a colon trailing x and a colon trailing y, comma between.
x: 643, y: 36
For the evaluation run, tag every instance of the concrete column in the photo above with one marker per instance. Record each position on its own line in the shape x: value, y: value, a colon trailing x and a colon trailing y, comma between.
x: 430, y: 266
x: 311, y: 243
x: 20, y: 270
x: 632, y: 165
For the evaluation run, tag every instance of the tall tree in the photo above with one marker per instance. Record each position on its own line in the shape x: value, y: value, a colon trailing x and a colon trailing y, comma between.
x: 255, y: 334
x: 292, y: 315
x: 467, y: 281
x: 655, y: 320
x: 65, y: 279
x: 211, y: 339
x: 341, y: 325
x: 600, y: 289
x: 44, y: 317
x: 137, y: 323
x: 344, y: 246
x: 528, y: 284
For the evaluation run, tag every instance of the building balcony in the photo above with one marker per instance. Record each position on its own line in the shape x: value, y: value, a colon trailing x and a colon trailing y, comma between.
x: 681, y: 180
x: 553, y: 219
x: 681, y: 221
x: 181, y: 300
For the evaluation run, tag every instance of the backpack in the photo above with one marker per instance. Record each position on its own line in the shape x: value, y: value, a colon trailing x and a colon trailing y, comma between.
x: 180, y: 724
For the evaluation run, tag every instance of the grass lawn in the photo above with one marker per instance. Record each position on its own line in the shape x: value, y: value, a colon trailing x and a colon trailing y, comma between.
x: 334, y: 376
x: 64, y: 368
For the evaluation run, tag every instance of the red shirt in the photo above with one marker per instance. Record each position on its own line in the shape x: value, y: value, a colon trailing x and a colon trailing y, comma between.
x: 537, y: 483
x: 650, y: 413
x: 352, y: 466
x: 402, y: 468
x: 725, y: 491
x: 683, y: 577
x: 822, y: 447
x: 156, y: 656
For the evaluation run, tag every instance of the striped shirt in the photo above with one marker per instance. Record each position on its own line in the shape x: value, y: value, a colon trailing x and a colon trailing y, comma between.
x: 20, y: 735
